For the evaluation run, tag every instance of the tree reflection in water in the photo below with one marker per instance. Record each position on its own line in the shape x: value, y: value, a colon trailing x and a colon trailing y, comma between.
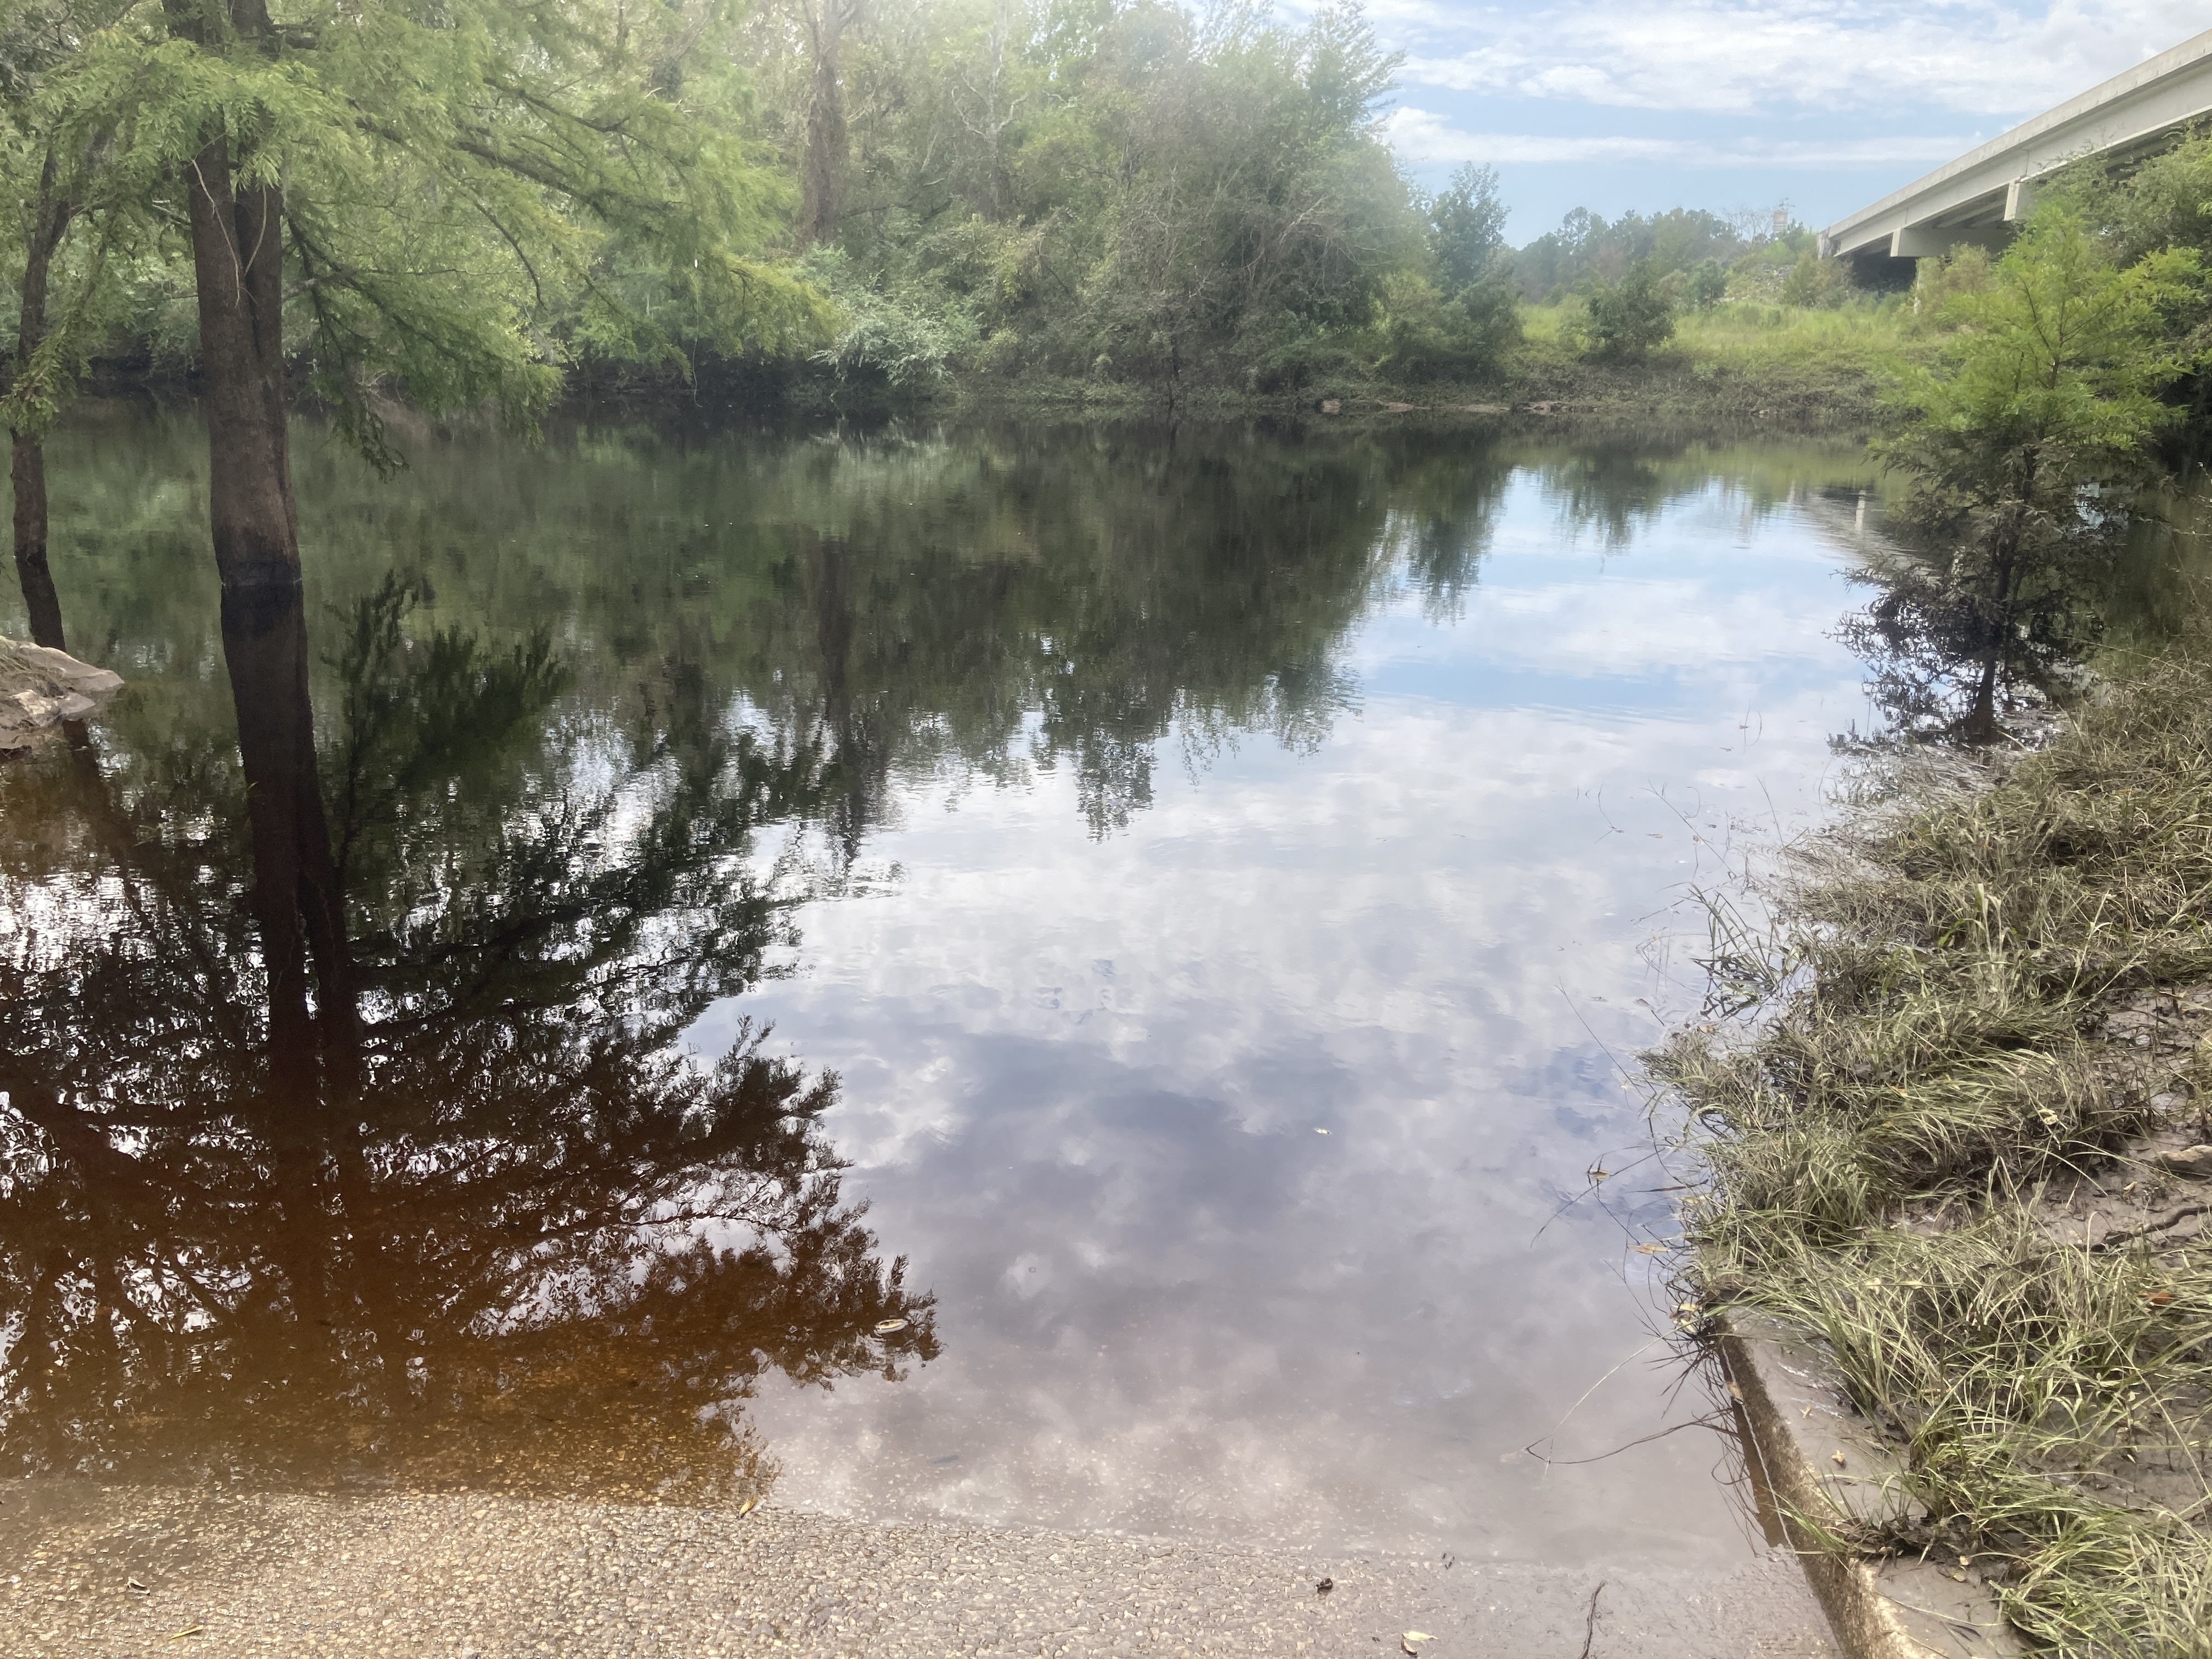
x: 344, y: 1132
x: 345, y: 1135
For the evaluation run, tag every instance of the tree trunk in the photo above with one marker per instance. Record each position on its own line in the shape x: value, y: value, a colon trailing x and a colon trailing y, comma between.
x: 313, y: 1076
x: 238, y: 263
x: 823, y: 180
x: 1981, y: 722
x: 994, y: 126
x: 49, y: 219
x: 29, y: 470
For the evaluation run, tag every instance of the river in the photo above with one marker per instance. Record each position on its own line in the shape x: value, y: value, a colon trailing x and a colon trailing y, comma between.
x: 1049, y: 976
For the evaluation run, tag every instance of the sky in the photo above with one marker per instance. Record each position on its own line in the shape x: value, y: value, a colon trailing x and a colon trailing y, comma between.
x: 1826, y: 104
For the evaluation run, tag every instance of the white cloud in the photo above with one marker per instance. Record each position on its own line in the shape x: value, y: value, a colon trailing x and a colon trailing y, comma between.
x: 1982, y: 57
x: 1420, y: 135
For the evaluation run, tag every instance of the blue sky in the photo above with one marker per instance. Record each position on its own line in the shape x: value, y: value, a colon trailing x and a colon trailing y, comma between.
x: 1729, y: 104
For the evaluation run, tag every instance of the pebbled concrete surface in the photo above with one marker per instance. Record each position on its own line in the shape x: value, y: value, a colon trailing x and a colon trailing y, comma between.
x: 470, y: 1574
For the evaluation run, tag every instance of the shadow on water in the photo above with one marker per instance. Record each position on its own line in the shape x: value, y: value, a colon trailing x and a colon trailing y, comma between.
x: 345, y: 1137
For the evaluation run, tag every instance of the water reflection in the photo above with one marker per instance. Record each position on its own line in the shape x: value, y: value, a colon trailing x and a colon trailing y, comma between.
x: 350, y: 1142
x: 1119, y: 807
x: 1951, y: 662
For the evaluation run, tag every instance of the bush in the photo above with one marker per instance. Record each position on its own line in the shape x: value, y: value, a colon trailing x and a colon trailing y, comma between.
x: 1936, y: 283
x: 1817, y: 283
x: 1622, y: 321
x: 1423, y: 335
x: 1704, y: 285
x: 908, y: 335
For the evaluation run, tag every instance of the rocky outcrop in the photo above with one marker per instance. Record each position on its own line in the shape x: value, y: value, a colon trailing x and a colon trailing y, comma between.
x: 39, y: 689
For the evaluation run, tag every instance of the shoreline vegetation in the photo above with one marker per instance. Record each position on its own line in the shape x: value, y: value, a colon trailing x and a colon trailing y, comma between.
x: 1786, y: 370
x: 1961, y: 1145
x: 1953, y: 1103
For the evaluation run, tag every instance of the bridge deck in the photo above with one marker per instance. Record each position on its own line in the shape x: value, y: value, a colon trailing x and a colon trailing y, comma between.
x: 1973, y: 198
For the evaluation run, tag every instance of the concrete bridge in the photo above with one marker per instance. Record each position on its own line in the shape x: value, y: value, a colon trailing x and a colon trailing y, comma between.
x: 1978, y: 198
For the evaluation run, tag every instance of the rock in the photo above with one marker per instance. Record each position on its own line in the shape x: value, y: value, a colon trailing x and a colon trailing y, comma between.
x: 39, y: 689
x: 2191, y: 1163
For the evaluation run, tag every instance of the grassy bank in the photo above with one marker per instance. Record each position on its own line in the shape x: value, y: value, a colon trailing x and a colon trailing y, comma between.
x: 1786, y: 366
x: 1737, y: 364
x: 1735, y: 367
x: 1940, y: 1148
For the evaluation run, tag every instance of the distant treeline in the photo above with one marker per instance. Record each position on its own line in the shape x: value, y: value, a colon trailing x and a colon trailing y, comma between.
x: 1147, y: 191
x: 889, y: 195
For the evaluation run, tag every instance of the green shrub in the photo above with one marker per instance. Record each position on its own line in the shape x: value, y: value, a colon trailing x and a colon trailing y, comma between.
x: 909, y: 335
x: 1704, y: 285
x: 1422, y: 335
x: 1622, y: 321
x: 1816, y: 284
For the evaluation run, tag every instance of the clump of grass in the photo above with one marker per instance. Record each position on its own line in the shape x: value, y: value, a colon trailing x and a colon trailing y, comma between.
x: 1741, y: 335
x: 2029, y: 1388
x: 1878, y: 1143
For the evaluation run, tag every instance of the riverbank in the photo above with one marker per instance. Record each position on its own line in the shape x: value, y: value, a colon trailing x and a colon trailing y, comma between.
x: 1737, y: 367
x: 1957, y: 1151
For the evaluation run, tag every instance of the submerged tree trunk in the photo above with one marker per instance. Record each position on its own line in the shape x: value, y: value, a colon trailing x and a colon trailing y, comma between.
x: 312, y: 1081
x: 822, y: 179
x: 49, y: 220
x: 40, y: 598
x: 296, y: 902
x: 857, y: 754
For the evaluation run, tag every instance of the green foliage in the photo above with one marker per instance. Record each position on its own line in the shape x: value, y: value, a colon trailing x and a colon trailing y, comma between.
x: 2164, y: 203
x: 906, y: 337
x: 65, y: 226
x: 1622, y: 321
x: 1704, y: 285
x: 1424, y: 335
x: 1937, y: 282
x: 1134, y: 191
x: 1586, y: 247
x: 1467, y: 227
x: 473, y: 198
x: 2047, y: 383
x: 2023, y: 440
x: 1817, y: 283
